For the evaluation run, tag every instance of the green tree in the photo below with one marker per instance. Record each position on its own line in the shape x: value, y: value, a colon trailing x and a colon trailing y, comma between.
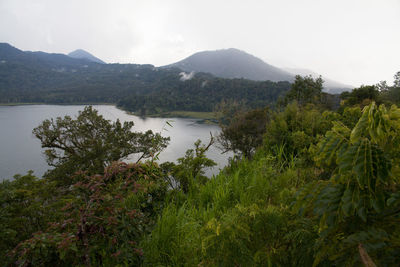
x: 305, y: 90
x: 91, y: 142
x: 243, y: 132
x: 362, y: 96
x: 189, y: 172
x: 103, y: 221
x: 27, y: 204
x: 295, y: 130
x: 382, y: 86
x: 392, y: 95
x: 396, y: 81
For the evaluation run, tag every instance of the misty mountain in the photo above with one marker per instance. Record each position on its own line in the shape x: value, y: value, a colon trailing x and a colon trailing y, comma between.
x: 38, y: 77
x: 82, y: 54
x: 39, y: 59
x: 8, y: 52
x: 232, y: 63
x: 331, y: 86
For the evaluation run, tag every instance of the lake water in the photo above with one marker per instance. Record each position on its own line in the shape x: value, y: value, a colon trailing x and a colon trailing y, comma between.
x: 20, y: 151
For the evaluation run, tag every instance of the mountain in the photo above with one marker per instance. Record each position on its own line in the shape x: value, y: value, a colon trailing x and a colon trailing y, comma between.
x: 331, y: 86
x: 82, y: 54
x: 232, y: 63
x: 8, y: 52
x: 38, y: 77
x: 39, y: 60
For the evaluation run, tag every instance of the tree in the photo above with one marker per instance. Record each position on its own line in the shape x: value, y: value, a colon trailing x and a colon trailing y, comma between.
x: 244, y: 131
x: 363, y: 96
x: 392, y: 93
x: 396, y: 81
x: 382, y: 86
x: 101, y: 223
x: 305, y: 90
x: 91, y: 142
x: 292, y: 132
x: 27, y: 206
x: 189, y: 172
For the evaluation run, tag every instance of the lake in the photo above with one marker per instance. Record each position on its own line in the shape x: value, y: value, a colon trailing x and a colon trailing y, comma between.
x: 20, y: 151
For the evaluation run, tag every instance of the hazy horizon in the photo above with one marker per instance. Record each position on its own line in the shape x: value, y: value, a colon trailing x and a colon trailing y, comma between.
x: 353, y: 42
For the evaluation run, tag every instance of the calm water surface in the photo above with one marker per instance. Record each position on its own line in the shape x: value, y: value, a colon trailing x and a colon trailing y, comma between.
x: 20, y: 151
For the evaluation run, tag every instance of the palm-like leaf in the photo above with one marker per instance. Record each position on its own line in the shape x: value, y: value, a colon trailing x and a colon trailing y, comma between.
x: 361, y: 192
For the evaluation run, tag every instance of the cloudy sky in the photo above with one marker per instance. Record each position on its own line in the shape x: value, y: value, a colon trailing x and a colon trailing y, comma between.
x: 351, y: 41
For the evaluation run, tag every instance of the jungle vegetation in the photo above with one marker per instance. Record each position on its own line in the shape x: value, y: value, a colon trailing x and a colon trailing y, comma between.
x: 311, y: 186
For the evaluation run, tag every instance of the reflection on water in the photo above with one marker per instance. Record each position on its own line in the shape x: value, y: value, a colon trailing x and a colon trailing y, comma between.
x: 20, y: 151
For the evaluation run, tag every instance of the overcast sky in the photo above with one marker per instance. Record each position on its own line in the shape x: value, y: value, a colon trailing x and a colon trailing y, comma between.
x: 351, y: 41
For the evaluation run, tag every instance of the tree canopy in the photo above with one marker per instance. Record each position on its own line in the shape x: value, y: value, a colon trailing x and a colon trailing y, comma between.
x: 91, y: 142
x: 243, y: 132
x: 305, y: 90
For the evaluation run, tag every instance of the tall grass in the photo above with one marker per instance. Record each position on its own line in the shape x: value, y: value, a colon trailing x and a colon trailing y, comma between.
x: 240, y: 217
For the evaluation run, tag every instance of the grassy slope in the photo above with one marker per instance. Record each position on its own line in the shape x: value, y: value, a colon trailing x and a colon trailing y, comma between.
x: 240, y: 217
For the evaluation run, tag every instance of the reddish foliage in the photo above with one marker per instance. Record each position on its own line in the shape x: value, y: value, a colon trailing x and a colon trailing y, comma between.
x: 92, y: 220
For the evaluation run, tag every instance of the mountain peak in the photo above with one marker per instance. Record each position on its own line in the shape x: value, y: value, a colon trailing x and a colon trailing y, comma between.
x: 7, y: 50
x: 232, y: 63
x: 82, y: 54
x: 236, y: 63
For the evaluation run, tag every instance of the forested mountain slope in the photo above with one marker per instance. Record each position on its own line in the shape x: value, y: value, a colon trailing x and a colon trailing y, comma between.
x: 57, y: 78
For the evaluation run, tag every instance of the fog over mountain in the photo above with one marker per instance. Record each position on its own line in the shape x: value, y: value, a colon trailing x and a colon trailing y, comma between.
x: 232, y: 63
x: 82, y: 54
x: 235, y: 63
x: 330, y: 85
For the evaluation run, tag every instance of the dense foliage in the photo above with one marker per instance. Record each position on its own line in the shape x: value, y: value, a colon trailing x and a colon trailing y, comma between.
x: 379, y: 93
x: 321, y: 188
x: 99, y: 220
x: 91, y: 142
x: 305, y: 90
x: 200, y: 94
x: 242, y: 132
x: 358, y: 205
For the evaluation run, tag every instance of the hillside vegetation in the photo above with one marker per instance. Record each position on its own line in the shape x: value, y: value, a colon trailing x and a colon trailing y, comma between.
x: 312, y: 187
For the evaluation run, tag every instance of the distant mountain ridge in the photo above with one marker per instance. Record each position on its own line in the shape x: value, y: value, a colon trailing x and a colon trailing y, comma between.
x: 38, y: 59
x: 232, y: 63
x: 39, y: 77
x: 82, y: 54
x: 225, y: 63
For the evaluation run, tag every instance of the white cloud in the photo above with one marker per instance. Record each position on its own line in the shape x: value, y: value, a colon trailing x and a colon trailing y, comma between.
x: 186, y: 76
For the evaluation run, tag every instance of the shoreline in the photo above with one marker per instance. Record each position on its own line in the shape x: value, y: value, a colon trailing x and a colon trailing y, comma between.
x: 57, y: 104
x: 203, y: 117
